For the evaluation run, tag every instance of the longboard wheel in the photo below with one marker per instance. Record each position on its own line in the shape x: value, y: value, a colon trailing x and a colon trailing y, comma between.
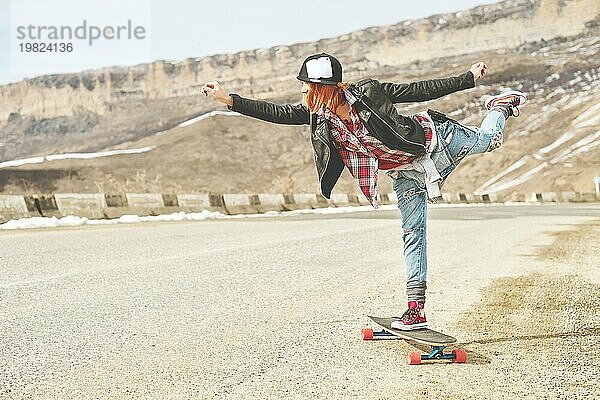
x: 366, y: 333
x: 413, y: 358
x: 460, y: 356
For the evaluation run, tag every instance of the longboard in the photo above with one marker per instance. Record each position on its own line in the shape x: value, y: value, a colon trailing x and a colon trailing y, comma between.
x: 437, y: 340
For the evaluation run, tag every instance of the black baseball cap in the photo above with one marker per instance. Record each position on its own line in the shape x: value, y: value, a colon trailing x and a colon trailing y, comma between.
x: 321, y: 68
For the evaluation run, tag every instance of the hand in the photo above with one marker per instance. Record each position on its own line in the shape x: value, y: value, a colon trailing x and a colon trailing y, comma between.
x: 478, y: 69
x: 215, y: 89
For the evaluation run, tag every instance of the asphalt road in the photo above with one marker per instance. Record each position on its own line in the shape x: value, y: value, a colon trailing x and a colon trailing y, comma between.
x: 272, y: 307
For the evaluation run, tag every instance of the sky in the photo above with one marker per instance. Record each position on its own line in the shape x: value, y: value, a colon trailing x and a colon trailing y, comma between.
x: 177, y: 29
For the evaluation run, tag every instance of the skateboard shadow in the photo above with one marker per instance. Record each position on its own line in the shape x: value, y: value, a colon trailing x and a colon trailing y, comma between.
x: 474, y: 357
x: 592, y: 331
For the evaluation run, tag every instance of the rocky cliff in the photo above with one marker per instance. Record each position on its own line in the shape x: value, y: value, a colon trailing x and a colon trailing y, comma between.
x: 93, y: 109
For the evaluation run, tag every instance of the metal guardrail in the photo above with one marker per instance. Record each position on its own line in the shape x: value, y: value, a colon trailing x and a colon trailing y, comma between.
x: 114, y: 205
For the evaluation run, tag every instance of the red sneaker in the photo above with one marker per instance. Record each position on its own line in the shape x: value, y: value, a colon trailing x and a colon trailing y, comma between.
x: 413, y: 318
x: 511, y: 100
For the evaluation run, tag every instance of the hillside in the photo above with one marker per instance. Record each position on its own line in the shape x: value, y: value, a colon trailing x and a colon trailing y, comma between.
x: 546, y: 48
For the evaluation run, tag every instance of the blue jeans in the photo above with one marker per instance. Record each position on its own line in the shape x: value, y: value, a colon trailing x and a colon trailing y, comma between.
x: 455, y: 142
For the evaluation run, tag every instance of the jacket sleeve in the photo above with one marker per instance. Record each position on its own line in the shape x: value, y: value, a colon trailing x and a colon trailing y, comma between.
x: 288, y: 114
x: 427, y: 90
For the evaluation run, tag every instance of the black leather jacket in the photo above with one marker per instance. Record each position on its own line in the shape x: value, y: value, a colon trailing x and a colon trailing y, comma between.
x: 375, y: 107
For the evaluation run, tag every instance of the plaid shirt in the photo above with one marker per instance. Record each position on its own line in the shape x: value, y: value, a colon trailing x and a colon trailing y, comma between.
x: 361, y: 152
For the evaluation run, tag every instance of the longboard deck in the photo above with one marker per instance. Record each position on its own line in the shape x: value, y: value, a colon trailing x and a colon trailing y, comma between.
x: 424, y: 335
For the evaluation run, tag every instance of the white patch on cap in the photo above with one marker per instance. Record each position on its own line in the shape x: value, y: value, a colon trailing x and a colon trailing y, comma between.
x: 319, y: 68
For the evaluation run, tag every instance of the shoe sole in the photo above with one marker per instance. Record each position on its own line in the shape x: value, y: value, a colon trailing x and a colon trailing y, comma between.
x: 411, y: 327
x: 522, y: 98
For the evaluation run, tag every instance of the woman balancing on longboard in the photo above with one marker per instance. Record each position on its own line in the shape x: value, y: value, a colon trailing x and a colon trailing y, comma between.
x: 357, y: 125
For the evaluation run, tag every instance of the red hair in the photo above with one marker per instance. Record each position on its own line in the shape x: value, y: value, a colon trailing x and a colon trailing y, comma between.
x: 330, y: 96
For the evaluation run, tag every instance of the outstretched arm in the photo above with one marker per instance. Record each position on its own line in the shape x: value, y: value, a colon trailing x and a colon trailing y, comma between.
x: 288, y: 114
x: 433, y: 88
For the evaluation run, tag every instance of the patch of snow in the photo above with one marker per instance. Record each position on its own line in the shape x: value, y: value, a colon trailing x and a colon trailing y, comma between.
x: 562, y: 100
x: 87, y: 156
x: 565, y: 137
x: 552, y: 77
x: 534, y: 123
x: 555, y: 92
x: 65, y: 156
x: 589, y: 117
x: 589, y: 76
x: 207, y: 115
x: 517, y: 181
x: 16, y: 163
x: 129, y: 219
x: 518, y: 164
x: 44, y: 222
x: 70, y: 220
x: 53, y: 222
x: 576, y: 101
x: 581, y: 146
x: 584, y: 149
